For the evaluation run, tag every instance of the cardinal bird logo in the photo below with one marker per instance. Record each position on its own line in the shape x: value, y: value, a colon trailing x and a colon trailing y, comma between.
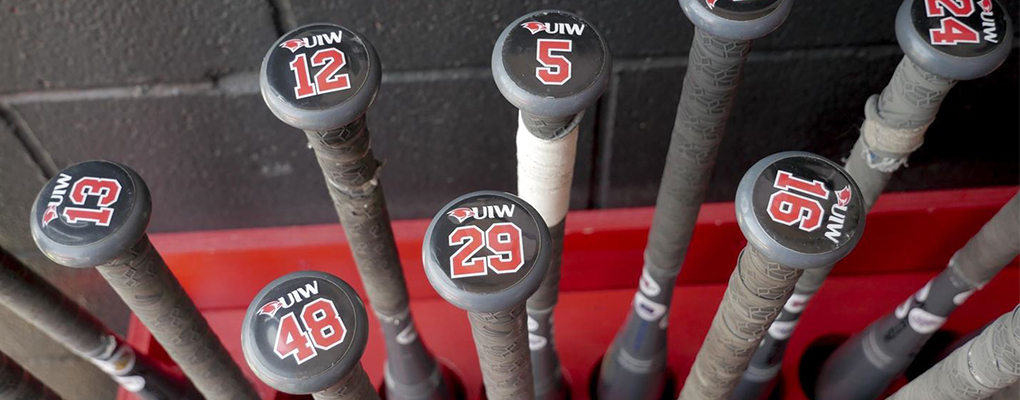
x: 49, y: 215
x: 270, y: 308
x: 985, y: 5
x: 293, y: 44
x: 461, y: 214
x: 843, y: 196
x: 711, y: 4
x: 534, y: 27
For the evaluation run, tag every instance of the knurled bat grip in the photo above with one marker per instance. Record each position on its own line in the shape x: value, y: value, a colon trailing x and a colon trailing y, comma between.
x: 757, y: 290
x: 351, y: 173
x: 710, y: 84
x: 36, y: 301
x: 355, y: 386
x: 143, y: 281
x: 983, y: 366
x: 501, y: 339
x: 18, y: 384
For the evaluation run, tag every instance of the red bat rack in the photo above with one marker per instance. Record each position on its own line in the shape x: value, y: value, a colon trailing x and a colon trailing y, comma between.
x: 908, y: 239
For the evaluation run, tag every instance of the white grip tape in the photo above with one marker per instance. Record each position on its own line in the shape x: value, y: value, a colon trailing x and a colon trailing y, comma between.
x: 887, y: 140
x: 545, y: 169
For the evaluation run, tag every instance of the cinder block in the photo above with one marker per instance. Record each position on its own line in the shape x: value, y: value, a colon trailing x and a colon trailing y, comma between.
x: 89, y: 43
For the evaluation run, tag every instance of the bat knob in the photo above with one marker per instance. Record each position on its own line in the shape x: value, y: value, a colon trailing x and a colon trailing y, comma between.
x: 90, y: 213
x: 737, y: 19
x: 551, y: 63
x: 800, y: 210
x: 304, y: 332
x: 486, y: 251
x: 960, y: 40
x: 320, y: 77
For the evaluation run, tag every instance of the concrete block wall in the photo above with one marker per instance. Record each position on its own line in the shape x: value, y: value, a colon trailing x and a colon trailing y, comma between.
x: 170, y: 88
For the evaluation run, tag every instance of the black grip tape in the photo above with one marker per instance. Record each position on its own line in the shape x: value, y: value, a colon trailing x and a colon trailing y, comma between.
x: 143, y: 281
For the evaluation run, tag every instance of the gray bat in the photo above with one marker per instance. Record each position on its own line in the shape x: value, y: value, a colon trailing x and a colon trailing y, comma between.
x: 304, y: 333
x: 798, y: 211
x: 486, y: 252
x: 18, y: 384
x: 94, y: 214
x: 894, y: 127
x: 551, y: 65
x: 322, y: 78
x: 634, y: 364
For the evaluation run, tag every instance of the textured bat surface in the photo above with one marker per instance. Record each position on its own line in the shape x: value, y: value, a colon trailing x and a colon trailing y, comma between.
x: 352, y: 178
x: 756, y: 293
x: 635, y: 362
x: 354, y: 386
x: 501, y: 339
x: 18, y: 384
x: 147, y: 286
x: 980, y: 368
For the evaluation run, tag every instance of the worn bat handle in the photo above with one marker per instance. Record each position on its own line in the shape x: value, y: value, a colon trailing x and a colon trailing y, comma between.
x: 994, y: 246
x: 757, y: 290
x: 352, y: 179
x: 38, y: 302
x: 143, y: 281
x: 18, y: 384
x: 355, y: 386
x: 983, y: 366
x: 501, y: 339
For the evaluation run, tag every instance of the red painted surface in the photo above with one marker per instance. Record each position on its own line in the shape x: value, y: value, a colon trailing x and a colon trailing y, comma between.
x: 909, y: 237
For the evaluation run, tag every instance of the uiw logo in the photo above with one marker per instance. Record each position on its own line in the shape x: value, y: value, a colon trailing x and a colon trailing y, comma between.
x: 296, y: 296
x: 461, y: 214
x: 554, y: 28
x: 313, y: 41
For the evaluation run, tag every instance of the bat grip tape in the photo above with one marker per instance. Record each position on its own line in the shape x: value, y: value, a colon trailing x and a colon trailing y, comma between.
x: 757, y: 291
x: 143, y: 281
x: 979, y: 368
x: 992, y: 248
x: 501, y: 340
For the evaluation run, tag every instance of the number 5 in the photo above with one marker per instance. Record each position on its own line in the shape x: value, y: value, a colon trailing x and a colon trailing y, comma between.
x: 556, y: 68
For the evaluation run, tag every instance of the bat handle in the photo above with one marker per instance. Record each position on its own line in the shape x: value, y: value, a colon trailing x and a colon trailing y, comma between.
x: 501, y: 340
x: 978, y: 369
x: 757, y: 290
x: 894, y: 126
x: 17, y: 383
x: 150, y: 290
x: 355, y: 386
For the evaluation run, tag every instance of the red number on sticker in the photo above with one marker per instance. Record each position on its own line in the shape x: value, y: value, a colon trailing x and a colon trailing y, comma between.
x: 959, y: 8
x: 327, y: 80
x: 108, y: 192
x: 502, y: 239
x: 324, y: 324
x: 292, y: 340
x: 953, y: 32
x: 789, y: 208
x: 556, y: 68
x: 325, y: 330
x: 462, y: 262
x: 304, y: 87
